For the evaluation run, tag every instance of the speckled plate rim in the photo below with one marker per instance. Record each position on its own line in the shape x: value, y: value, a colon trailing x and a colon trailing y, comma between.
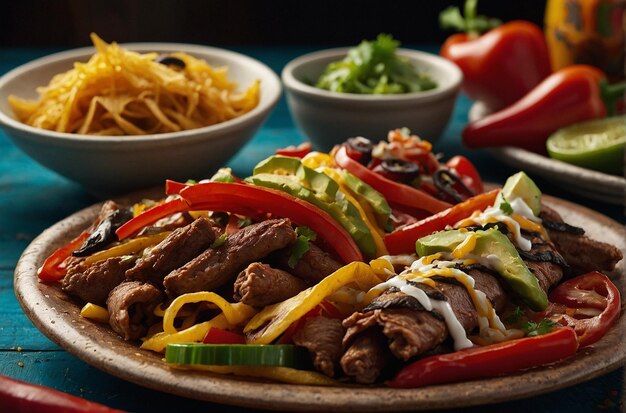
x: 585, y: 182
x: 58, y: 318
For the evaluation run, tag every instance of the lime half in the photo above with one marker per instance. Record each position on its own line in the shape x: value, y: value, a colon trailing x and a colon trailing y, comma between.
x: 596, y: 144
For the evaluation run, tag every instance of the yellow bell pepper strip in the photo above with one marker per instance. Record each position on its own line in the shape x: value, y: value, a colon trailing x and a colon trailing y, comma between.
x: 273, y: 320
x: 235, y: 314
x: 95, y: 312
x: 127, y: 248
x: 276, y: 373
x: 195, y: 333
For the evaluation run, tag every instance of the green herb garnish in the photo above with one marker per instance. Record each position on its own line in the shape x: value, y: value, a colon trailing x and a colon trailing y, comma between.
x: 515, y: 316
x: 219, y: 241
x: 538, y: 329
x: 301, y: 246
x: 373, y: 67
x: 506, y: 207
x: 243, y: 222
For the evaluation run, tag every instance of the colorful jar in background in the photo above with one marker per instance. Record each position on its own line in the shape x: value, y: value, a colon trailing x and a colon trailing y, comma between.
x: 588, y: 32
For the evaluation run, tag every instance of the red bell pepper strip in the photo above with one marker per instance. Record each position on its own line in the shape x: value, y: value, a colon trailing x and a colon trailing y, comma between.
x: 20, y: 397
x: 174, y: 187
x: 489, y: 361
x: 590, y: 304
x: 53, y: 268
x: 392, y: 191
x: 573, y: 94
x: 218, y: 336
x: 296, y: 151
x: 402, y: 240
x: 500, y: 66
x: 249, y: 200
x: 151, y: 216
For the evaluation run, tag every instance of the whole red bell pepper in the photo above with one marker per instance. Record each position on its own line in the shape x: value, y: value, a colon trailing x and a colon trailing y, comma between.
x: 500, y: 66
x: 572, y: 94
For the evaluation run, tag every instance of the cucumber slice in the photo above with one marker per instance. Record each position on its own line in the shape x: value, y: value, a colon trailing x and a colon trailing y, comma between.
x: 236, y: 354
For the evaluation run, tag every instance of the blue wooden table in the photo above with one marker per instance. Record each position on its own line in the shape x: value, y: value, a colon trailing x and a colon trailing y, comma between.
x: 33, y: 198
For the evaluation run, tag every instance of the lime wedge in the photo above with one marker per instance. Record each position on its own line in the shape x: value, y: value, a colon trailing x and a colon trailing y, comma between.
x: 596, y: 144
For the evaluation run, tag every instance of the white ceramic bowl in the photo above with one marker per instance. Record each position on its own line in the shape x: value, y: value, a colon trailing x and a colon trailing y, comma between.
x: 106, y: 164
x: 328, y: 118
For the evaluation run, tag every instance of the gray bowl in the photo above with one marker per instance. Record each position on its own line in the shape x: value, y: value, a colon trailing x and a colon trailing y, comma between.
x: 328, y: 118
x: 117, y: 164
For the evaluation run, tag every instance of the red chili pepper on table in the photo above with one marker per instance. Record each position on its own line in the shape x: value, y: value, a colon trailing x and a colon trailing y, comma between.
x: 20, y: 397
x: 489, y: 361
x: 500, y: 66
x: 590, y: 304
x: 570, y: 95
x: 402, y: 240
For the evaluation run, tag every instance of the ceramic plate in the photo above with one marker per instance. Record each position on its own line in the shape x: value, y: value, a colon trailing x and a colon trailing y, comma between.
x: 58, y: 318
x: 582, y: 181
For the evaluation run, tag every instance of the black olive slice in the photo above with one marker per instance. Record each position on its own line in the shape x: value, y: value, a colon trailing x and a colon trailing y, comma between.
x: 168, y: 60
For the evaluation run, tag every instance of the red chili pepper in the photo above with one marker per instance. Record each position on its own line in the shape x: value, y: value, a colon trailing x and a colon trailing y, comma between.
x: 465, y: 170
x: 392, y: 191
x: 590, y: 304
x: 295, y: 151
x: 249, y: 200
x: 573, y: 94
x: 489, y: 361
x: 500, y: 66
x: 54, y: 267
x: 151, y: 216
x: 20, y: 397
x: 218, y: 336
x: 402, y: 240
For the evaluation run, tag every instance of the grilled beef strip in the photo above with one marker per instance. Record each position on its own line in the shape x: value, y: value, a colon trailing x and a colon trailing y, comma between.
x: 93, y: 283
x: 216, y: 266
x: 180, y: 247
x: 312, y: 267
x: 582, y: 253
x: 260, y: 285
x: 322, y: 336
x: 366, y: 357
x: 131, y: 305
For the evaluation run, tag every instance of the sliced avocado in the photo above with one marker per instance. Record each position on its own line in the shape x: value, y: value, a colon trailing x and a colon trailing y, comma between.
x: 339, y: 208
x: 287, y: 165
x: 521, y: 186
x: 373, y: 197
x: 492, y: 244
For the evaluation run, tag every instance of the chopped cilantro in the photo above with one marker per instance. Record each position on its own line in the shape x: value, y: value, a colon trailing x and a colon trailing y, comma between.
x: 538, y: 329
x: 301, y: 246
x: 373, y: 67
x: 219, y: 241
x: 506, y: 207
x: 515, y: 316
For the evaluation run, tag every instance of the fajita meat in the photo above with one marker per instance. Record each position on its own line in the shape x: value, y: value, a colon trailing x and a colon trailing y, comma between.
x: 216, y: 266
x: 93, y: 283
x: 131, y: 306
x: 322, y: 336
x: 582, y: 253
x: 312, y: 267
x: 260, y: 285
x: 366, y: 357
x: 180, y: 247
